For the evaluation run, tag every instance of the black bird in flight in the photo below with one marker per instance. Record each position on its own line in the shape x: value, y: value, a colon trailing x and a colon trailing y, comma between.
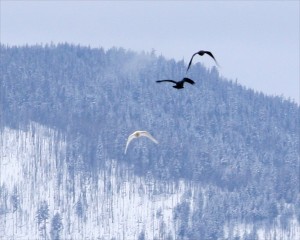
x: 201, y: 53
x: 179, y: 84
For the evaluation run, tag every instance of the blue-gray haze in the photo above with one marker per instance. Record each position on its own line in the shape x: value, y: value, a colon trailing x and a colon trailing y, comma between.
x: 256, y: 42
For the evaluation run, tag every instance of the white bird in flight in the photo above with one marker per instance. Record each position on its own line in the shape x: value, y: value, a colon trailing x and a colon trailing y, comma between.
x: 138, y: 134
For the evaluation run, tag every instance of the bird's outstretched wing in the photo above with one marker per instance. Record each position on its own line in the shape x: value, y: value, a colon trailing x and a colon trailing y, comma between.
x: 188, y: 80
x: 190, y: 63
x: 172, y: 81
x: 210, y: 54
x: 148, y: 135
x: 130, y: 138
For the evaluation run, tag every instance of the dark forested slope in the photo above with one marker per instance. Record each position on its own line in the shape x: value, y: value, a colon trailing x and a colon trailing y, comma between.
x: 215, y: 132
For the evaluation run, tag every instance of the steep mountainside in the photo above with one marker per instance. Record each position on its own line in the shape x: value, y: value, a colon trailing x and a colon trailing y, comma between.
x: 236, y: 151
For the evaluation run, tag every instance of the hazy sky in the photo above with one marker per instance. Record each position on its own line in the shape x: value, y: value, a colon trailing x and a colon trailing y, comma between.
x: 255, y: 42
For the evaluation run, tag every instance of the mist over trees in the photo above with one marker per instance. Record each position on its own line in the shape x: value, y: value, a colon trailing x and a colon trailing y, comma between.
x: 240, y: 144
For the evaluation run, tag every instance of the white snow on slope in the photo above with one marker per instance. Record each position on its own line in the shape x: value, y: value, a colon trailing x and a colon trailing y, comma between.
x: 33, y: 168
x: 119, y: 205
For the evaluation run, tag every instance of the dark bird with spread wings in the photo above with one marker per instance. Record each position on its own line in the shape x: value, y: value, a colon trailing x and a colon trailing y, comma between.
x: 178, y: 84
x: 201, y: 53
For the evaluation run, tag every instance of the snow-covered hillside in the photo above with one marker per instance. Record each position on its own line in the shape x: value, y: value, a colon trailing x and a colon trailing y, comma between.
x: 119, y: 205
x: 226, y: 166
x: 35, y: 181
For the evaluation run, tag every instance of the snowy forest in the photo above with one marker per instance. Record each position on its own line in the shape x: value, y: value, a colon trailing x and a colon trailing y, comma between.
x: 226, y: 166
